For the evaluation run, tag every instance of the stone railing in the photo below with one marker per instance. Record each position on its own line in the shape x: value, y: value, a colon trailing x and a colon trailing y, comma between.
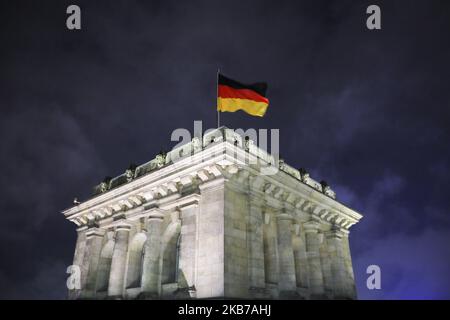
x: 213, y: 137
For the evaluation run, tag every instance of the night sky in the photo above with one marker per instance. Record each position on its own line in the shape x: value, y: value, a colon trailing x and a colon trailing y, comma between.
x: 367, y: 111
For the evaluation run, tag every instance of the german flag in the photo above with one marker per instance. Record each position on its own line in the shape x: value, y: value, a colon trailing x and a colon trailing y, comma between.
x: 233, y: 96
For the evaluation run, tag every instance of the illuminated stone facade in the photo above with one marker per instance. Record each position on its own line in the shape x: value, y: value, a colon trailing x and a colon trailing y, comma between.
x: 213, y: 219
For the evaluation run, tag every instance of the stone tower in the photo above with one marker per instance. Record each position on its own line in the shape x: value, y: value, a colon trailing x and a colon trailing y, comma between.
x: 213, y: 219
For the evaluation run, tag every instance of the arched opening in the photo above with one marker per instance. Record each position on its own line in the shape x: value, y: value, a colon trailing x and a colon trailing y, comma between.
x: 104, y: 266
x: 135, y: 260
x: 170, y: 255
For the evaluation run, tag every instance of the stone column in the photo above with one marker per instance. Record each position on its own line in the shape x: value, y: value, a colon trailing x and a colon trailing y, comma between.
x: 301, y: 261
x: 336, y: 257
x: 78, y: 262
x: 350, y: 278
x: 186, y: 276
x: 255, y: 248
x: 94, y: 240
x: 326, y: 270
x: 118, y: 261
x: 287, y: 283
x: 151, y: 273
x: 211, y: 250
x: 315, y: 275
x: 270, y: 251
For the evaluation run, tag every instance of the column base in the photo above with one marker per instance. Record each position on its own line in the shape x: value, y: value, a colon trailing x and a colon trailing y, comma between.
x: 114, y: 297
x: 318, y: 296
x: 342, y: 297
x: 148, y: 296
x: 257, y: 292
x: 74, y: 294
x: 86, y: 295
x: 289, y: 295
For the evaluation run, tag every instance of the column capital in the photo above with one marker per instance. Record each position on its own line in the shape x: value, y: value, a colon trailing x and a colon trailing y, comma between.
x: 82, y: 228
x: 311, y: 226
x: 335, y: 233
x: 156, y: 214
x: 95, y: 232
x: 212, y: 184
x: 284, y: 216
x: 255, y: 199
x: 123, y: 226
x: 273, y: 203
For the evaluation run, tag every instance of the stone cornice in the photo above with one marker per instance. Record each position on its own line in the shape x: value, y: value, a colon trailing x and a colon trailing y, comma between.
x: 219, y: 158
x: 311, y: 201
x: 162, y: 185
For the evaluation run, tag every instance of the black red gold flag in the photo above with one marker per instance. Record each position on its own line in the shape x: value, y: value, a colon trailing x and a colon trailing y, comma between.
x: 233, y: 95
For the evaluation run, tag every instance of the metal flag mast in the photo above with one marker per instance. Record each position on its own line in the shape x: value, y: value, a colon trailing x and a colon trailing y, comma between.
x: 217, y: 95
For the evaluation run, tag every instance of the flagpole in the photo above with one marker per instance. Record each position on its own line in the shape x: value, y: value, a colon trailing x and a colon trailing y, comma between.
x: 217, y: 93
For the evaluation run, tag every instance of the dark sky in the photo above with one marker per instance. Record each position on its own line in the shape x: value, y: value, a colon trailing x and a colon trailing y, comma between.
x: 368, y: 111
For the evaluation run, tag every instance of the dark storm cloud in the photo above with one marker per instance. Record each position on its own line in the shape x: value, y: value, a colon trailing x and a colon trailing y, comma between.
x: 366, y: 111
x: 48, y: 149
